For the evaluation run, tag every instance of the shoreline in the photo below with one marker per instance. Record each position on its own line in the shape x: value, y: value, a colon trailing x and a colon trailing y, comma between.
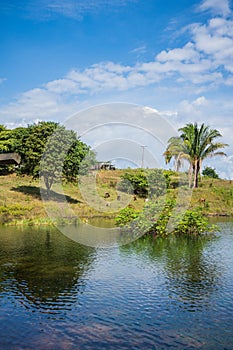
x: 21, y: 203
x: 83, y: 220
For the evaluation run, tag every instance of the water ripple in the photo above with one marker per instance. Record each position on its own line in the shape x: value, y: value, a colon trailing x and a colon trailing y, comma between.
x: 148, y: 295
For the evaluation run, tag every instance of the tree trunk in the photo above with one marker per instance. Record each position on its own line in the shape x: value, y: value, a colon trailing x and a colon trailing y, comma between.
x: 48, y: 184
x: 196, y: 172
x: 200, y: 169
x: 190, y: 175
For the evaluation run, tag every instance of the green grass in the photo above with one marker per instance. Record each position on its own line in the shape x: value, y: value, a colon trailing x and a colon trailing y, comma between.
x: 21, y: 203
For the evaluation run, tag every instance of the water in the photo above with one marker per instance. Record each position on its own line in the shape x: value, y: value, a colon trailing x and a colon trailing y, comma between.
x: 163, y: 294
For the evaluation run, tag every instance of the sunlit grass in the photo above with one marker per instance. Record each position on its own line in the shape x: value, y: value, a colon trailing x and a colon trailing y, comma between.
x: 21, y: 203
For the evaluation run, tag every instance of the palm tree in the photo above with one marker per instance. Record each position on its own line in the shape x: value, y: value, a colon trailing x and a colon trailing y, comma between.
x: 176, y: 150
x: 195, y: 144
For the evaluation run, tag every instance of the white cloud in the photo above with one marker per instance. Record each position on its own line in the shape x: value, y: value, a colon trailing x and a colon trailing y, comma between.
x: 208, y: 40
x: 194, y: 110
x: 187, y: 53
x: 60, y: 86
x: 36, y: 104
x: 215, y: 40
x: 223, y: 166
x: 221, y: 26
x: 200, y: 101
x: 229, y: 81
x: 203, y: 63
x: 219, y: 7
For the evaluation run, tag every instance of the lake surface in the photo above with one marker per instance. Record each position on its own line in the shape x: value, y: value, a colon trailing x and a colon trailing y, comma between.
x: 163, y: 294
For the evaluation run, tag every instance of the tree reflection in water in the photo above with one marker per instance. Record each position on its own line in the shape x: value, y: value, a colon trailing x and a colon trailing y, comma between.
x: 191, y: 271
x: 44, y: 268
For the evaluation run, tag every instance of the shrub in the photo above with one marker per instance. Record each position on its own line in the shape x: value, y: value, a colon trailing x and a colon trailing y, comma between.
x: 210, y: 172
x: 155, y: 218
x: 145, y: 183
x: 193, y: 222
x: 125, y: 216
x: 134, y: 181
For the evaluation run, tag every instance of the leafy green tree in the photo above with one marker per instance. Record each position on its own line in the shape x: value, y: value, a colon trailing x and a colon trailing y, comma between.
x: 144, y: 183
x: 6, y: 140
x: 62, y: 157
x: 7, y: 145
x: 78, y: 159
x: 136, y: 180
x: 87, y: 162
x: 175, y: 149
x: 64, y: 154
x: 52, y: 162
x: 210, y: 172
x: 195, y: 145
x: 30, y: 145
x: 157, y: 183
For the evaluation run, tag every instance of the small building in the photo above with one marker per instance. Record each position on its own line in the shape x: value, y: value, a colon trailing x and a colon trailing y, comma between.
x: 10, y: 159
x: 103, y: 166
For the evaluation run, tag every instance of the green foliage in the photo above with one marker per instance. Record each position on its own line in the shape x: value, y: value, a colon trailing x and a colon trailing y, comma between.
x: 157, y: 183
x: 63, y: 155
x: 16, y: 211
x: 210, y: 172
x: 136, y: 180
x: 154, y: 220
x: 195, y: 144
x: 6, y: 140
x: 54, y: 155
x: 193, y: 222
x: 7, y: 145
x: 30, y: 145
x: 88, y: 160
x: 125, y: 216
x: 155, y: 216
x: 144, y: 183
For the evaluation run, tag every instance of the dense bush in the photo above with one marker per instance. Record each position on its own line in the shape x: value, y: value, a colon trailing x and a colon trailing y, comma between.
x: 135, y: 181
x: 193, y: 222
x: 156, y: 217
x: 157, y: 183
x: 125, y: 216
x: 210, y: 172
x: 145, y: 183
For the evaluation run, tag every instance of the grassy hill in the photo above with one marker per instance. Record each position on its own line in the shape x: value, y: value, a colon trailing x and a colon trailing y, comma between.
x: 21, y: 203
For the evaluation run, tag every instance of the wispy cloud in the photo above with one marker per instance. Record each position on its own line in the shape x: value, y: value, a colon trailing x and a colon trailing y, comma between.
x: 205, y: 61
x: 46, y: 9
x: 139, y: 50
x: 218, y: 7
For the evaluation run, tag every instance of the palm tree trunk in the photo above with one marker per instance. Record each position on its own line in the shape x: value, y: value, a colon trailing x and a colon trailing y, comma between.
x: 200, y: 169
x: 196, y: 172
x: 190, y: 174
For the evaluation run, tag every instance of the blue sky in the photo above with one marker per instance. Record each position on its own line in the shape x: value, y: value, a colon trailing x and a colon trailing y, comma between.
x: 60, y: 57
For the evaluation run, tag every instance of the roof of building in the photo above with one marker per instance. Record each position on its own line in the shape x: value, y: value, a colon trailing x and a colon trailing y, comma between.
x: 9, y: 158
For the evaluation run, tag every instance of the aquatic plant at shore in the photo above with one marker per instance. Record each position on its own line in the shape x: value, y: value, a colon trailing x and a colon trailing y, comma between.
x: 161, y: 222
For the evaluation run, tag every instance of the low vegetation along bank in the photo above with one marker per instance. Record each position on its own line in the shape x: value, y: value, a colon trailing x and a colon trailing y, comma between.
x: 148, y: 199
x: 21, y: 203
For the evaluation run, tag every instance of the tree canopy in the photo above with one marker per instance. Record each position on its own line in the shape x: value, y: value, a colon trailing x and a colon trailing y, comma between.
x: 210, y: 172
x: 195, y: 144
x: 47, y: 146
